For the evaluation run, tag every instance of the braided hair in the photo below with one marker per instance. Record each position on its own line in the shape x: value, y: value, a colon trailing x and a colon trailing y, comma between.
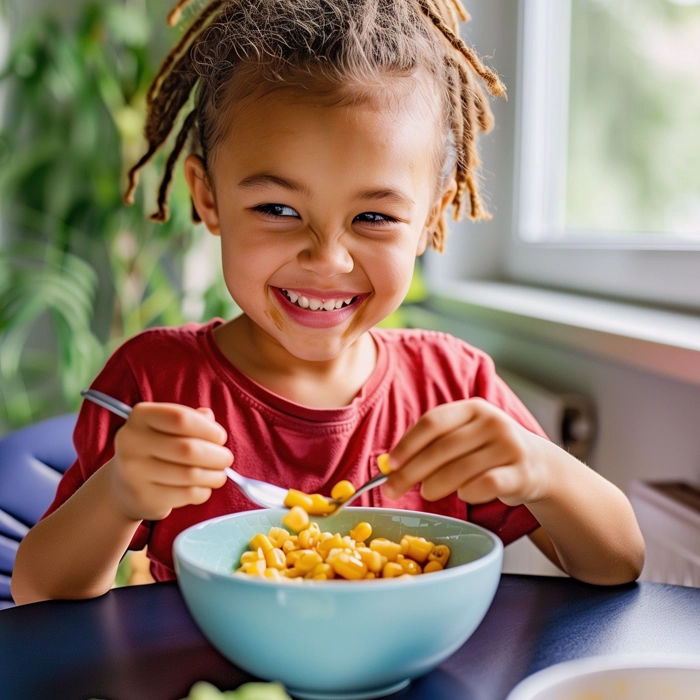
x: 344, y: 42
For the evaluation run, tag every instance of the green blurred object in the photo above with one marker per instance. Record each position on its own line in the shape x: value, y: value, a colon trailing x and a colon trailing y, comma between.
x: 80, y: 271
x: 248, y: 691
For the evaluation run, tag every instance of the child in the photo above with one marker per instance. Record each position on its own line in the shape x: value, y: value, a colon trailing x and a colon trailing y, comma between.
x: 329, y: 139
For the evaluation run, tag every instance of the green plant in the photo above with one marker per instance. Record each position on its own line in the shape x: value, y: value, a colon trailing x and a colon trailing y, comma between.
x: 79, y: 270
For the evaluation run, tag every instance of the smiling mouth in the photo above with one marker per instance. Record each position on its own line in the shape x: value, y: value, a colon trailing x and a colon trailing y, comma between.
x: 314, y: 304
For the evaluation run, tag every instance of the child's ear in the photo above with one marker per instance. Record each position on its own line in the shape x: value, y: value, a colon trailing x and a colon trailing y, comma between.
x: 203, y: 199
x: 436, y: 213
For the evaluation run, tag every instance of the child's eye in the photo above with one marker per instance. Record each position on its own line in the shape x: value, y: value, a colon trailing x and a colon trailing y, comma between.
x: 372, y: 217
x: 276, y: 210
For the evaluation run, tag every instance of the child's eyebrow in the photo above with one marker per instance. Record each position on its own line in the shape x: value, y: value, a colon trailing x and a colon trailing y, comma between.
x: 262, y: 179
x: 389, y: 194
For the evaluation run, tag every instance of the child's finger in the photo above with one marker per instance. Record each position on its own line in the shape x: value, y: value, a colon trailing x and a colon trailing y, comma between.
x: 178, y: 496
x: 447, y: 450
x: 432, y: 425
x: 176, y: 419
x: 189, y: 451
x: 168, y: 474
x: 452, y: 476
x: 501, y: 482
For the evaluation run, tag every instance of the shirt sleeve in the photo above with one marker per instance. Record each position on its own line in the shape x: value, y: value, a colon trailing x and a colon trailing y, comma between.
x: 95, y: 429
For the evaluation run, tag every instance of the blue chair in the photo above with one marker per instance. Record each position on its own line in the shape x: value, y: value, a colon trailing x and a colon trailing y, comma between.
x: 32, y: 461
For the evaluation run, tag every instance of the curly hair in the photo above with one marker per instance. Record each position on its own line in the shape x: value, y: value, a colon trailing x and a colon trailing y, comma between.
x: 346, y: 44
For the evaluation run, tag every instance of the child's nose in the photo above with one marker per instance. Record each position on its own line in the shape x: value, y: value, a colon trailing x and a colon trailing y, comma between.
x: 326, y: 258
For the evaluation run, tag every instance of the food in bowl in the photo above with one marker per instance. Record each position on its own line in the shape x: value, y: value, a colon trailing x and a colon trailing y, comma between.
x: 340, y: 638
x: 322, y: 556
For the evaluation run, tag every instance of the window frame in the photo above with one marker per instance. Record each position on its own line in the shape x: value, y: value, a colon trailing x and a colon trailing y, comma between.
x: 653, y: 268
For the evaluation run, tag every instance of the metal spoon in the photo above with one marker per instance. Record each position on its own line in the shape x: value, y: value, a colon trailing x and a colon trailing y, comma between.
x: 260, y: 492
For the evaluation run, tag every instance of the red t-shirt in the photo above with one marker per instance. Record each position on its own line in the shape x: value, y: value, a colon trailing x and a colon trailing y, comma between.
x: 286, y: 443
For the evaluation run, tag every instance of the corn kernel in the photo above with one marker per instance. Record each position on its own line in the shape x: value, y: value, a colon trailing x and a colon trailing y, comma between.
x: 292, y: 573
x: 342, y: 491
x: 410, y: 567
x: 322, y: 569
x: 293, y: 557
x: 276, y: 558
x: 417, y: 548
x: 348, y: 567
x: 290, y: 546
x: 255, y: 568
x: 272, y: 573
x: 361, y: 532
x: 440, y: 553
x: 386, y: 547
x: 432, y: 566
x: 278, y: 536
x: 297, y: 519
x: 247, y: 557
x: 298, y: 498
x: 373, y: 560
x: 307, y: 538
x: 383, y: 464
x: 307, y: 561
x: 261, y: 541
x: 320, y: 505
x: 332, y: 542
x: 392, y: 570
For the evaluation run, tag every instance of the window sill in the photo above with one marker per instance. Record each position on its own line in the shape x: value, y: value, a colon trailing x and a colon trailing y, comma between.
x: 663, y: 342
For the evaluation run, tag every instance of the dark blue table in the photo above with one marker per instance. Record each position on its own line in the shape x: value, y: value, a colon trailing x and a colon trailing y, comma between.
x: 140, y: 643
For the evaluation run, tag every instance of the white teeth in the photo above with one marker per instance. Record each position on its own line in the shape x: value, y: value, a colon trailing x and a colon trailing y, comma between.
x: 315, y: 304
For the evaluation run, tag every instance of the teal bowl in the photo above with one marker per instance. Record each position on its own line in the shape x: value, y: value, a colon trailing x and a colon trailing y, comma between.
x: 338, y: 640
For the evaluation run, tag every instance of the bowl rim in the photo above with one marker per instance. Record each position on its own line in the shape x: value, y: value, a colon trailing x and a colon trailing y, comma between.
x: 549, y: 677
x: 445, y: 575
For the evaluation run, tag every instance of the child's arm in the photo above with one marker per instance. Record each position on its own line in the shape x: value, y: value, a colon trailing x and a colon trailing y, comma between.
x: 476, y: 449
x: 166, y: 456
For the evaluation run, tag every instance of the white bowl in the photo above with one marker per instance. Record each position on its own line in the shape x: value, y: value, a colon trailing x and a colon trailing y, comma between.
x: 624, y: 677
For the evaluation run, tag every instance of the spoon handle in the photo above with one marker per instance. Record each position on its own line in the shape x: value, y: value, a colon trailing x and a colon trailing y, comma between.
x: 111, y: 404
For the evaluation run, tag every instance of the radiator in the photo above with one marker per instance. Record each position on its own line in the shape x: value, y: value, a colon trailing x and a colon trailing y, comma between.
x: 567, y: 418
x: 669, y: 517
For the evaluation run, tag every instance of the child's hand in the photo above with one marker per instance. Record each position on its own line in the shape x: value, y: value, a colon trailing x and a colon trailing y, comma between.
x: 474, y: 448
x: 167, y: 456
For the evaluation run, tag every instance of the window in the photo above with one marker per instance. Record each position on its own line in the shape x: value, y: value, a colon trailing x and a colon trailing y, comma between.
x: 608, y: 175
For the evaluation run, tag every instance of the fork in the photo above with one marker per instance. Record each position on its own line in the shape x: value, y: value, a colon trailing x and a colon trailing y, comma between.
x: 260, y: 492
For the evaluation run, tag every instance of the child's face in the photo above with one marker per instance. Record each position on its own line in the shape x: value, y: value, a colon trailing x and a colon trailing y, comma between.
x: 319, y: 204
